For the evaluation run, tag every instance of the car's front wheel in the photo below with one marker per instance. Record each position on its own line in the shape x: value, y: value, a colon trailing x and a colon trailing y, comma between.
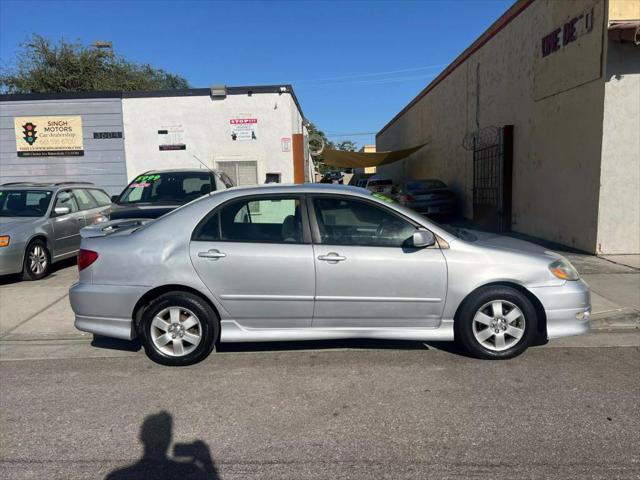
x: 179, y: 328
x: 496, y: 323
x: 37, y: 261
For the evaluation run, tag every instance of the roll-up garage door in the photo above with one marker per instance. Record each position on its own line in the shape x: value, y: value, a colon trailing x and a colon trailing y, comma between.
x: 241, y: 172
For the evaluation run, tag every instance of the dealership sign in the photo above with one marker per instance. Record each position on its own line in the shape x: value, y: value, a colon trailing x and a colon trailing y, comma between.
x: 568, y: 33
x: 49, y: 136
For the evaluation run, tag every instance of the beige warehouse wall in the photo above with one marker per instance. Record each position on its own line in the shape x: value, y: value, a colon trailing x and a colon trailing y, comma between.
x: 556, y: 106
x: 624, y: 10
x: 619, y: 215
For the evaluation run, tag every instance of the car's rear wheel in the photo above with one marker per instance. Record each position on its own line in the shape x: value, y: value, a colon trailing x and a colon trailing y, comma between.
x: 37, y: 261
x: 179, y: 328
x: 496, y: 323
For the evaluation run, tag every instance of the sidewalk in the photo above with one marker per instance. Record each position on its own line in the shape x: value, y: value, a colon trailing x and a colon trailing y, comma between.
x: 615, y: 289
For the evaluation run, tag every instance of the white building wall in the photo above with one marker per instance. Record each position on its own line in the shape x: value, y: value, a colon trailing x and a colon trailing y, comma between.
x: 205, y: 123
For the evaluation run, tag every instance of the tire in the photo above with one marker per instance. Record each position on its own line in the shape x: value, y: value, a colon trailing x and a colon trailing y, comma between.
x: 494, y: 313
x: 168, y: 331
x: 37, y: 261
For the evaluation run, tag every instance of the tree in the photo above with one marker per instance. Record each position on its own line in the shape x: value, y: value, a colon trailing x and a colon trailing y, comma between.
x: 43, y: 67
x: 347, y: 146
x: 318, y: 160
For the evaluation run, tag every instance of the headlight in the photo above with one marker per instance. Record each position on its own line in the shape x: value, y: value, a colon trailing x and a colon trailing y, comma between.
x: 563, y: 269
x: 4, y: 240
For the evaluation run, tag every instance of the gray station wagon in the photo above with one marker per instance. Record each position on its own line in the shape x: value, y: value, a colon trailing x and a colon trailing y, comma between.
x: 40, y: 223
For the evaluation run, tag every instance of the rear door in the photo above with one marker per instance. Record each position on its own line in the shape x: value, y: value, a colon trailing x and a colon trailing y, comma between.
x: 66, y: 227
x: 367, y: 272
x: 255, y: 255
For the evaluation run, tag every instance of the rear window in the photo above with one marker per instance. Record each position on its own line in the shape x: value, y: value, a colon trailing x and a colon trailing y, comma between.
x: 425, y: 185
x: 380, y: 183
x: 167, y: 187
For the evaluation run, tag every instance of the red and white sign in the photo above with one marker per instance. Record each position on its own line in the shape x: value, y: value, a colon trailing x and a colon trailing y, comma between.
x: 244, y: 129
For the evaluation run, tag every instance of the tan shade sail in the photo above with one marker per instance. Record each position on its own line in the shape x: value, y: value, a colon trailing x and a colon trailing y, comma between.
x: 339, y: 158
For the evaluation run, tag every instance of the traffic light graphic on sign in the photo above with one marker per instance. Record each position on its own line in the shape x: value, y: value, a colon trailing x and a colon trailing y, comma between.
x: 29, y: 131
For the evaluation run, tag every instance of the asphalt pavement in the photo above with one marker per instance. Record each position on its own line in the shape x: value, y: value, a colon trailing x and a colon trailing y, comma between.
x: 74, y: 406
x: 352, y: 411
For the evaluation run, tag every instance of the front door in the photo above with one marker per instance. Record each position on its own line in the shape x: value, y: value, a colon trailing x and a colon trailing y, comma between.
x: 367, y: 274
x: 255, y: 256
x: 66, y: 227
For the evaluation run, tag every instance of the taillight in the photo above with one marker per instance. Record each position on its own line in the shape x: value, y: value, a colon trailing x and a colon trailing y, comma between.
x: 86, y: 258
x: 408, y: 198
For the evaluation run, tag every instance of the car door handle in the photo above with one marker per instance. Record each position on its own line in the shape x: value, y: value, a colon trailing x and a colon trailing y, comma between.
x: 80, y: 219
x: 332, y: 257
x: 212, y: 254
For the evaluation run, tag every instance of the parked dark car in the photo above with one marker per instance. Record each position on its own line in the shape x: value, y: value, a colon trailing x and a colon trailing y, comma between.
x: 157, y: 192
x: 429, y: 197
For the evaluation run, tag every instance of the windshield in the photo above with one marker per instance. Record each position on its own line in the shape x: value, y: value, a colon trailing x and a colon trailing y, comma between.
x: 24, y: 203
x: 168, y: 187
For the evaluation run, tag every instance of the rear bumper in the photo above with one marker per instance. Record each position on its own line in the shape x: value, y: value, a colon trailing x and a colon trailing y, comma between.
x: 436, y: 206
x: 105, y: 309
x: 568, y: 308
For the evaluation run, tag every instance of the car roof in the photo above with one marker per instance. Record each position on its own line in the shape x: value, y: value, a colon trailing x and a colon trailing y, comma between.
x: 300, y: 188
x: 46, y: 185
x: 179, y: 170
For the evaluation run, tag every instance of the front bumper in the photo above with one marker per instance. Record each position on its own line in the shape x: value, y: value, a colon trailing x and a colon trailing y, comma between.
x: 11, y: 258
x: 105, y: 309
x: 567, y: 307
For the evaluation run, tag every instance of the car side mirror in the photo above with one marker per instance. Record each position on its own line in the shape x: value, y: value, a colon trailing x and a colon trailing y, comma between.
x: 114, y: 198
x: 62, y: 210
x: 423, y: 238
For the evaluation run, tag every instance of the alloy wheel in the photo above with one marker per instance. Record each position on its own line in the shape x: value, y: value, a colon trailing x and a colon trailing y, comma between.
x: 176, y: 331
x: 37, y: 260
x: 498, y: 325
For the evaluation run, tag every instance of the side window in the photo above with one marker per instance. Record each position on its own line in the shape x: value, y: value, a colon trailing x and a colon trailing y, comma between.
x: 101, y: 197
x: 65, y: 199
x: 352, y: 222
x: 85, y: 201
x: 266, y: 220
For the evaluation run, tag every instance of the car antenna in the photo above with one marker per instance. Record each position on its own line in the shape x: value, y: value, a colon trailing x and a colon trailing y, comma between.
x: 203, y: 164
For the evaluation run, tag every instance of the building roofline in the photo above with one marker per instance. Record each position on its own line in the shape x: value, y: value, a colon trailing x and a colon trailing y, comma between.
x: 188, y: 92
x: 516, y: 9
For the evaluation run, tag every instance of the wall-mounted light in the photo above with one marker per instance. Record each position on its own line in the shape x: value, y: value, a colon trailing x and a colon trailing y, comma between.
x: 218, y: 91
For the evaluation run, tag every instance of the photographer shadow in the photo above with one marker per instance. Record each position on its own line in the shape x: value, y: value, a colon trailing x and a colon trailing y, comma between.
x: 189, y: 461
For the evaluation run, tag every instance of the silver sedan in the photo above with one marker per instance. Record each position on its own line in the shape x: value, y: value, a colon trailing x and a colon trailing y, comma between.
x: 309, y: 262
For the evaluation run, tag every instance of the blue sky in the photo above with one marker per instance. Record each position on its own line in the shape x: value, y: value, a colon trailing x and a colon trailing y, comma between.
x: 353, y: 65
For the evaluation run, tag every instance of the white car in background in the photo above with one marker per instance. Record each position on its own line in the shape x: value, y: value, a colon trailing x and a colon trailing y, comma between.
x: 380, y: 184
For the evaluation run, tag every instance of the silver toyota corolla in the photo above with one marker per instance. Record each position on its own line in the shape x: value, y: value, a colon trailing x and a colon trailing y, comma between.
x: 308, y: 262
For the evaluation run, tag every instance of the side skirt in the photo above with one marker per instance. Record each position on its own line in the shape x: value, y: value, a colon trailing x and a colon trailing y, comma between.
x: 231, y: 331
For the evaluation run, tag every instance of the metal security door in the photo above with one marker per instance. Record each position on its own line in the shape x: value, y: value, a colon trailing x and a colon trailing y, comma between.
x: 492, y: 172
